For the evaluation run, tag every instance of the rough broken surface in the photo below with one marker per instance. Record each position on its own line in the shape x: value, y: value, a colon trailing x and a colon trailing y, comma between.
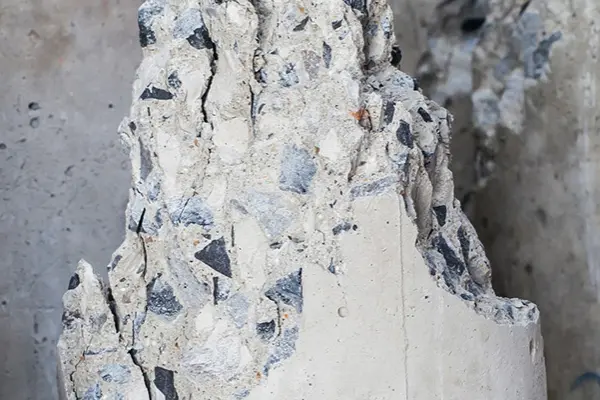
x: 243, y: 170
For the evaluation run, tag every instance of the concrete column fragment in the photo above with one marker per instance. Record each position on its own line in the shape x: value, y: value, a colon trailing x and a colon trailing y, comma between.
x: 293, y: 231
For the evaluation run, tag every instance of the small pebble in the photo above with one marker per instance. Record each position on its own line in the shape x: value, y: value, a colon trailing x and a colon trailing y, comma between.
x: 33, y: 106
x: 343, y: 312
x: 34, y: 122
x: 2, y: 146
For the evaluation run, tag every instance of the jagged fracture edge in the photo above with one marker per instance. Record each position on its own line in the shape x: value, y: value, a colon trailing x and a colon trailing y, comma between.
x: 469, y: 25
x: 446, y: 239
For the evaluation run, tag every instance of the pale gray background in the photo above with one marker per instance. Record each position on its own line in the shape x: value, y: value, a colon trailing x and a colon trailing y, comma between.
x: 64, y: 182
x: 63, y: 177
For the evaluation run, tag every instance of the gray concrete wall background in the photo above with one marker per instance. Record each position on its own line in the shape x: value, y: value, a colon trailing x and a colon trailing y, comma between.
x: 63, y: 183
x: 63, y: 177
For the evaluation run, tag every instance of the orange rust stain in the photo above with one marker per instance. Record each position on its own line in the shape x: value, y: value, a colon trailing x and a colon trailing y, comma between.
x: 285, y: 316
x: 302, y: 9
x: 196, y: 242
x: 317, y: 149
x: 258, y: 375
x: 196, y: 142
x: 358, y: 115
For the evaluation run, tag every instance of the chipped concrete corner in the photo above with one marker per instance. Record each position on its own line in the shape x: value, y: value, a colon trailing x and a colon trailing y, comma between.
x: 293, y: 231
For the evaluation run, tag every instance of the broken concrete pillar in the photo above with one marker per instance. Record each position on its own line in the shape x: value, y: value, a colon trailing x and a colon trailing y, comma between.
x: 293, y: 231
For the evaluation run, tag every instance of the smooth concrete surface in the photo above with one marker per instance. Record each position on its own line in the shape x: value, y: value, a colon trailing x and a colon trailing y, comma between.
x: 63, y: 175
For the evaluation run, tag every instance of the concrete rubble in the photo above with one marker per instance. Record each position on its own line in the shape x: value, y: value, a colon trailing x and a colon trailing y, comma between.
x: 292, y: 227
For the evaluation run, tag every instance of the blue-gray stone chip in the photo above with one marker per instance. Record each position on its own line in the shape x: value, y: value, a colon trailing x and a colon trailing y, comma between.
x: 173, y: 80
x: 93, y: 393
x: 326, y: 55
x: 215, y: 256
x: 440, y: 214
x: 115, y: 373
x: 301, y: 25
x: 146, y: 13
x: 74, y: 281
x: 424, y: 114
x: 455, y: 265
x: 297, y: 170
x: 200, y: 39
x: 360, y: 5
x: 288, y: 76
x: 190, y: 211
x: 69, y: 318
x: 288, y: 290
x: 115, y: 261
x: 284, y: 348
x: 374, y: 188
x: 160, y: 298
x: 220, y: 293
x: 388, y: 112
x: 540, y: 56
x: 145, y: 161
x: 344, y: 226
x: 404, y: 135
x: 266, y: 330
x: 156, y: 94
x: 396, y: 56
x: 165, y: 382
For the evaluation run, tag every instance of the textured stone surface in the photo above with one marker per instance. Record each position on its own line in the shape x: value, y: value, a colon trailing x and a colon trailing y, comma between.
x: 284, y: 121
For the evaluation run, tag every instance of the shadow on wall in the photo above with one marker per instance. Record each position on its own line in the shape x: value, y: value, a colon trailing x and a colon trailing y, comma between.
x: 538, y: 214
x: 67, y: 72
